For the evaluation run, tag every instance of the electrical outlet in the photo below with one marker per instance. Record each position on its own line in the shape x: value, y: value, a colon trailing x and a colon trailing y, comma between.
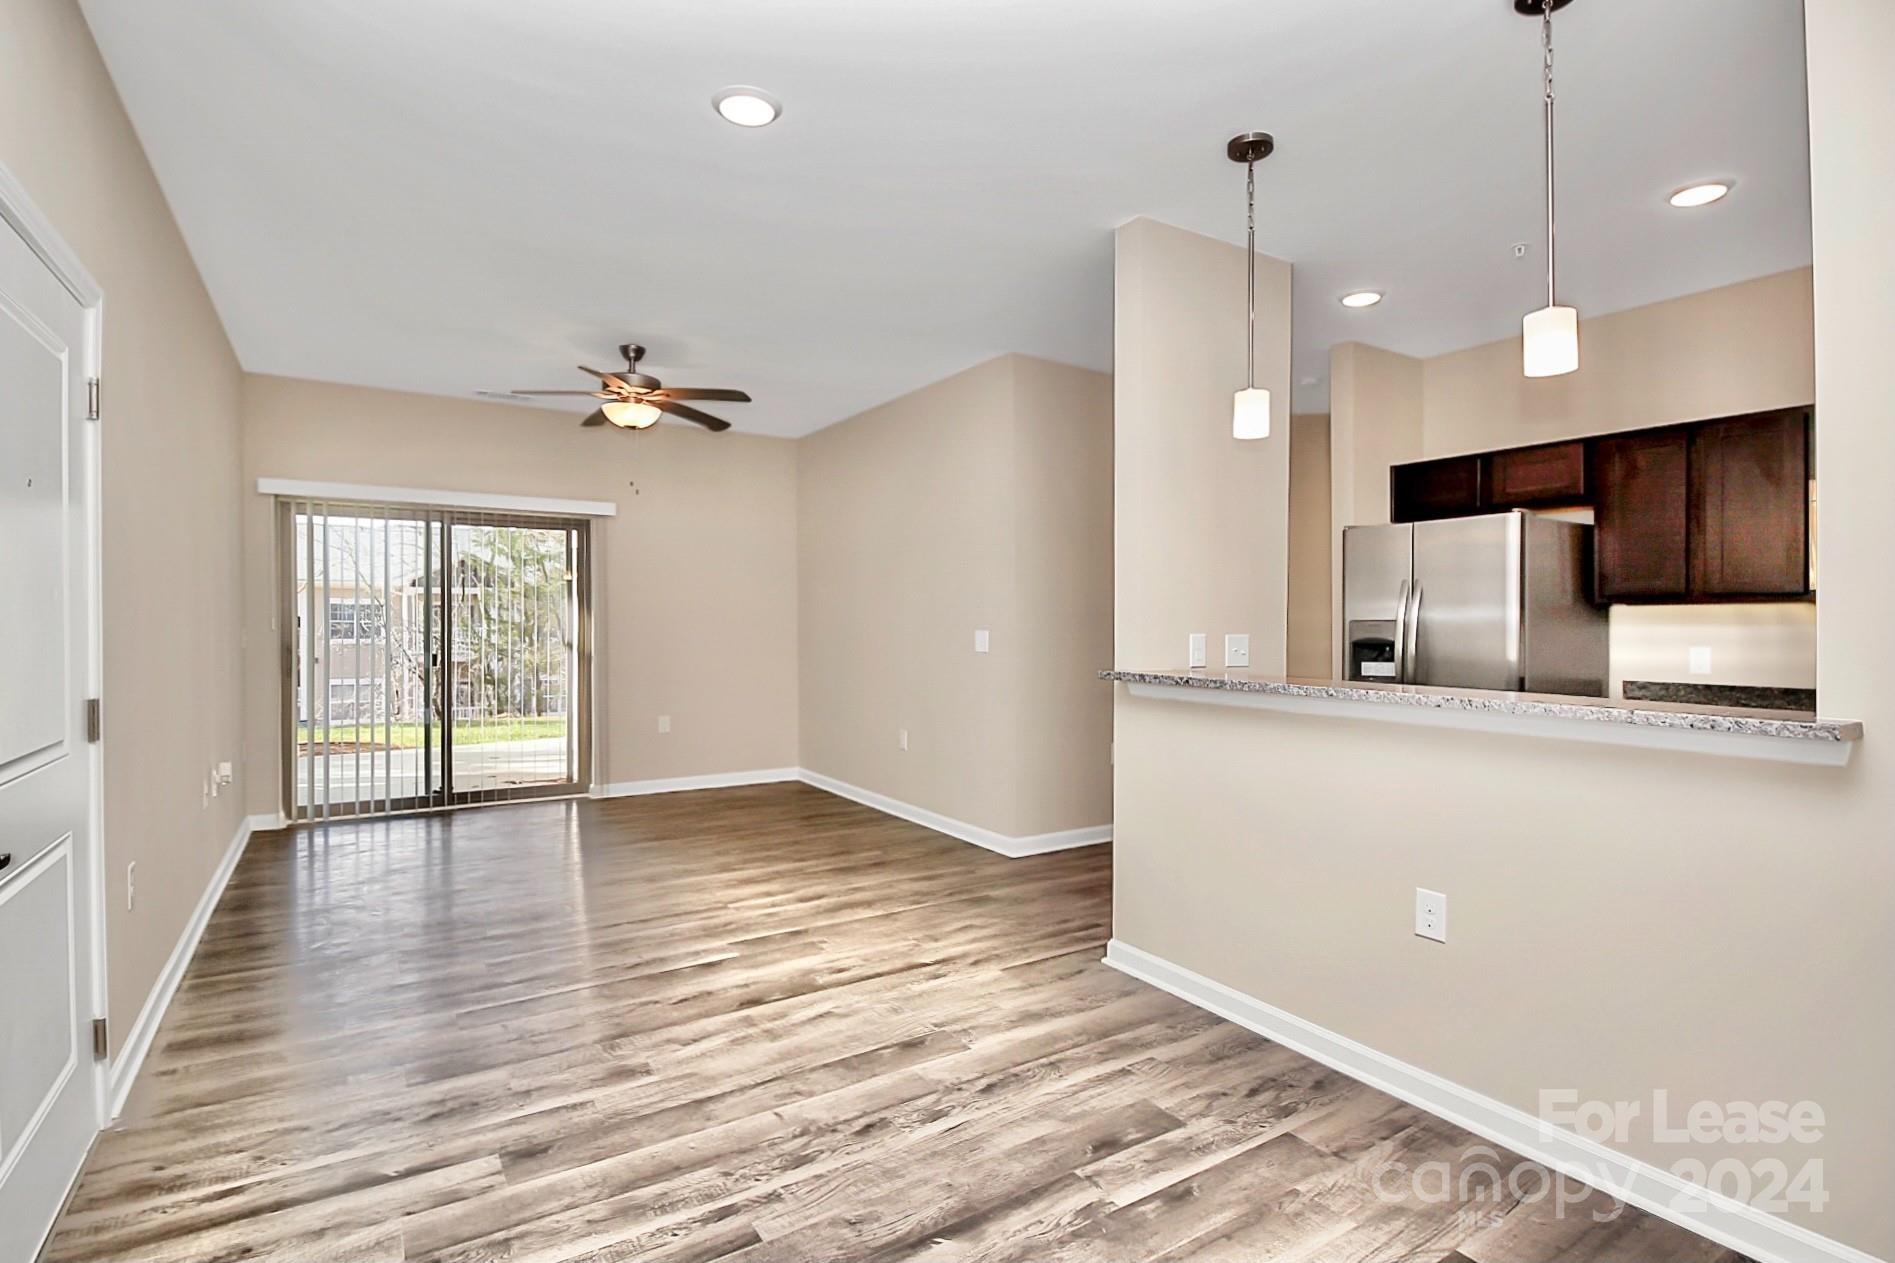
x: 1431, y: 914
x: 664, y: 723
x: 1700, y: 660
x: 131, y: 885
x: 981, y: 640
x: 1237, y: 649
x: 1196, y: 650
x: 901, y: 738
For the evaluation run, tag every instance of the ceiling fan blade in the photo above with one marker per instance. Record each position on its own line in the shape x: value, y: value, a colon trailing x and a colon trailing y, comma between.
x: 689, y: 413
x: 703, y: 392
x: 590, y: 394
x: 610, y: 379
x: 595, y: 417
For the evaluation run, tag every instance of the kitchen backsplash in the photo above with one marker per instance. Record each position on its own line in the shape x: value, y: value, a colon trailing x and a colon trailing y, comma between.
x: 1767, y: 645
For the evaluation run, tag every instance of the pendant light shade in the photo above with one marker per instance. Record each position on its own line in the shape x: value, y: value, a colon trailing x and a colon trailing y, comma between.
x: 1250, y: 408
x: 1250, y: 414
x: 1550, y: 337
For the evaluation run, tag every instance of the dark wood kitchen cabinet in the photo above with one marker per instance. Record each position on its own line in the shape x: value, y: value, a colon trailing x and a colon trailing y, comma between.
x: 1429, y: 489
x: 1641, y: 491
x: 1749, y: 506
x: 1530, y: 477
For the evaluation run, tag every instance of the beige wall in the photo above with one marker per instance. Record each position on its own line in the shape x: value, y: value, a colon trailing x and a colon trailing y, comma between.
x: 1623, y: 920
x: 982, y: 501
x: 171, y: 439
x: 1739, y: 348
x: 1201, y: 533
x: 694, y: 581
x: 1308, y: 651
x: 1767, y: 644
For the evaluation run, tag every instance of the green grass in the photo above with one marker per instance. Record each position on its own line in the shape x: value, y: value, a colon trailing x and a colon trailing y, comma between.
x: 466, y: 733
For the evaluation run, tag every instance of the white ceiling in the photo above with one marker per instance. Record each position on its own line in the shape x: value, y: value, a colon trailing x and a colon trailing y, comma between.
x: 454, y: 195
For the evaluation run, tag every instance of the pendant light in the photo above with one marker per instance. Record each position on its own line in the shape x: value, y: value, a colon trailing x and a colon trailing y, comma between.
x: 1250, y: 410
x: 1549, y: 337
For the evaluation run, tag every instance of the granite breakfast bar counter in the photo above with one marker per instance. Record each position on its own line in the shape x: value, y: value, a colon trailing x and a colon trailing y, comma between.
x: 1783, y: 736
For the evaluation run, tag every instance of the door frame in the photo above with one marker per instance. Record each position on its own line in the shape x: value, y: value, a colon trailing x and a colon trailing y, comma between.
x: 24, y: 217
x: 443, y: 510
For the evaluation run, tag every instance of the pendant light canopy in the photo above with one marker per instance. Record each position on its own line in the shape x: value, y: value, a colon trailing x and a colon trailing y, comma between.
x: 1250, y: 410
x: 1549, y: 337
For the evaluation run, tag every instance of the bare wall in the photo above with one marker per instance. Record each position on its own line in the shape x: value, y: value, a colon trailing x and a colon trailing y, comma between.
x: 1201, y: 533
x: 170, y: 455
x: 980, y: 502
x: 694, y: 582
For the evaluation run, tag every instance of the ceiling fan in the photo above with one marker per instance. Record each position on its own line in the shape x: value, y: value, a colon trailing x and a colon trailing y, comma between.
x: 635, y: 400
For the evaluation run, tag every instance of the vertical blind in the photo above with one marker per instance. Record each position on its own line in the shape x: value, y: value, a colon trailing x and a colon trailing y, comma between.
x: 433, y: 657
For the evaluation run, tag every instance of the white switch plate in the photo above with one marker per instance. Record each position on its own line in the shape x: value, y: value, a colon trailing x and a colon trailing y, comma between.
x: 1700, y: 660
x: 1197, y: 650
x: 980, y: 640
x: 131, y: 885
x: 901, y: 738
x: 1237, y: 649
x: 664, y: 723
x: 1431, y: 914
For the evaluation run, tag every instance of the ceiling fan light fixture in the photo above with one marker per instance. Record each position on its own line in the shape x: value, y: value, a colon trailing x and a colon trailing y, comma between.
x: 631, y: 414
x: 747, y: 106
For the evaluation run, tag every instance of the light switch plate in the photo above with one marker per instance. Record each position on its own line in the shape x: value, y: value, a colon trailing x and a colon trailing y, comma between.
x: 1700, y: 660
x: 664, y: 723
x: 1197, y: 650
x: 1431, y: 914
x: 980, y: 640
x: 1237, y: 649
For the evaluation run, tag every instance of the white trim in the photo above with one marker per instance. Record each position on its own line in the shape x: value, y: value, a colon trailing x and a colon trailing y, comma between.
x: 1762, y: 1236
x: 1739, y: 745
x: 137, y: 1041
x: 1004, y: 844
x: 304, y: 490
x: 711, y: 780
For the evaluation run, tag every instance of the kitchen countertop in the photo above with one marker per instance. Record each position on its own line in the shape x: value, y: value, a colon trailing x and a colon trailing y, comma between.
x: 1741, y: 721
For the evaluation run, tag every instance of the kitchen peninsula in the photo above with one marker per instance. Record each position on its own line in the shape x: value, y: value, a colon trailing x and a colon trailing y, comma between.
x: 1740, y: 732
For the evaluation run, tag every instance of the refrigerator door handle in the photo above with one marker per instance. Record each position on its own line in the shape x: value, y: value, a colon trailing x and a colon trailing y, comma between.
x: 1401, y: 633
x: 1411, y: 655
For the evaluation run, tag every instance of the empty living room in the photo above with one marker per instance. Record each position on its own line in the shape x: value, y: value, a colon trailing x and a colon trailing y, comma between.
x: 797, y: 631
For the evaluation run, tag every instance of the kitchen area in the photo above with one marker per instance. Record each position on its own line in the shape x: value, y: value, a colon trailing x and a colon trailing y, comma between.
x: 1585, y: 565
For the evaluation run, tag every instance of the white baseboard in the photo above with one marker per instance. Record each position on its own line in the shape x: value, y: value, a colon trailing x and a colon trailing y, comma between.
x: 131, y: 1053
x: 1763, y: 1236
x: 1004, y: 844
x: 711, y: 780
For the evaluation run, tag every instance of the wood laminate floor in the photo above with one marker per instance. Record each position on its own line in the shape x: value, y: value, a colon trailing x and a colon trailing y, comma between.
x: 745, y: 1025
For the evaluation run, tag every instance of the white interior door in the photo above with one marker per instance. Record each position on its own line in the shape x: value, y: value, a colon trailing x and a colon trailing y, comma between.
x: 49, y: 1081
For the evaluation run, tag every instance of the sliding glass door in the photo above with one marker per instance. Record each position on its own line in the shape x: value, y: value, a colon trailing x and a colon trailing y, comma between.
x: 432, y: 657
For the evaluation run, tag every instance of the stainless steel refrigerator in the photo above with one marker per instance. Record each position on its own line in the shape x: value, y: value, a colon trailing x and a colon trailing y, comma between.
x: 1492, y: 602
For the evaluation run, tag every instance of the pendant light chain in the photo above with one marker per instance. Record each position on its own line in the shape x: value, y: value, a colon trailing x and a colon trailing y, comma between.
x: 1250, y: 267
x: 1546, y: 41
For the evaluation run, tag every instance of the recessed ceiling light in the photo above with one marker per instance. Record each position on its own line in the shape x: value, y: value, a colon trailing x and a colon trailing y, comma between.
x: 1700, y: 194
x: 747, y: 107
x: 1362, y: 298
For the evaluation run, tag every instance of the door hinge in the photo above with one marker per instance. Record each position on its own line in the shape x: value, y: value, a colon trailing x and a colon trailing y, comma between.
x: 101, y: 1045
x: 95, y: 719
x: 92, y: 399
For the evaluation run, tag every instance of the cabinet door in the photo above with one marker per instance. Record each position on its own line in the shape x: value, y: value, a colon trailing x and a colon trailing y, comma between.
x: 1750, y: 506
x: 1528, y: 476
x: 1640, y: 511
x: 1449, y: 487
